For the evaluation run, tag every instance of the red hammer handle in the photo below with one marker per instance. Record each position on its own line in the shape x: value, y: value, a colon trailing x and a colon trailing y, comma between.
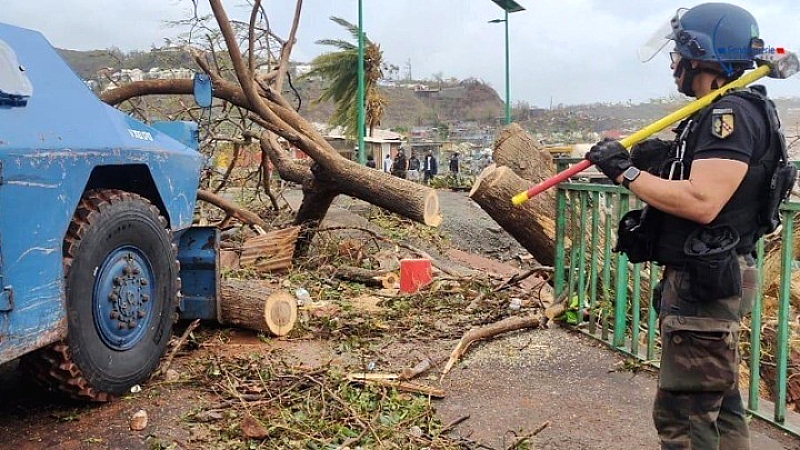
x: 558, y: 178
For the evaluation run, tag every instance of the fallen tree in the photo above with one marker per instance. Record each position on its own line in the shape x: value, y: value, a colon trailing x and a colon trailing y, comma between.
x: 332, y: 174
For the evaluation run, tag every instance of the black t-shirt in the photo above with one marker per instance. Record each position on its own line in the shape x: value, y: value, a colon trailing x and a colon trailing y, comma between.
x: 747, y: 141
x: 746, y: 138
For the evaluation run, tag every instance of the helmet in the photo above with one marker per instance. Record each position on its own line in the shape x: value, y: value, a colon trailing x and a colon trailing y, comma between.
x: 717, y: 32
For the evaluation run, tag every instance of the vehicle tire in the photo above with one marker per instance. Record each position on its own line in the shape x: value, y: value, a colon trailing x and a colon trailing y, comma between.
x: 121, y: 285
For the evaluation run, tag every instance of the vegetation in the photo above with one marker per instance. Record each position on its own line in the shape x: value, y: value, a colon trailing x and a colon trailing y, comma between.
x: 340, y: 70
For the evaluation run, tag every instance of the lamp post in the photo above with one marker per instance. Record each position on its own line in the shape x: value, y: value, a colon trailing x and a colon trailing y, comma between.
x: 509, y: 6
x: 361, y: 150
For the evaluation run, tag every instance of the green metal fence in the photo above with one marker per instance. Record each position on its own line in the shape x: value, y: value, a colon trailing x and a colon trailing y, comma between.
x: 610, y: 299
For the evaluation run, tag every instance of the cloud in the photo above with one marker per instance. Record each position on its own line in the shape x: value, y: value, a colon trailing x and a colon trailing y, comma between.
x: 571, y: 50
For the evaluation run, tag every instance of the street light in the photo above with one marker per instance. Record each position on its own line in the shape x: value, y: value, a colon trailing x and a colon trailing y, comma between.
x: 509, y: 6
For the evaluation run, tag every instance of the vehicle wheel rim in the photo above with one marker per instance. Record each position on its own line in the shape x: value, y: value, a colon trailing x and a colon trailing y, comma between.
x: 122, y: 298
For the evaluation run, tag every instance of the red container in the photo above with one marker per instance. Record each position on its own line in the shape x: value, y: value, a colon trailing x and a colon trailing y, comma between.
x: 414, y: 273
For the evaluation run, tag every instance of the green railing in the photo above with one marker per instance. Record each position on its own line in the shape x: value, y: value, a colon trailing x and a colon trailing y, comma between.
x: 610, y: 299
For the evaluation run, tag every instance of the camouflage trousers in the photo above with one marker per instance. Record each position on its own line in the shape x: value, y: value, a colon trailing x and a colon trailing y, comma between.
x: 698, y: 405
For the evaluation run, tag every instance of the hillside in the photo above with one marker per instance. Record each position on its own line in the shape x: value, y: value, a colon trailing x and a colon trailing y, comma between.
x: 87, y: 63
x: 433, y: 103
x: 468, y: 100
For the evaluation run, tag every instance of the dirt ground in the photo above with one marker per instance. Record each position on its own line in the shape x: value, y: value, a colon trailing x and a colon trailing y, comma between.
x: 508, y: 386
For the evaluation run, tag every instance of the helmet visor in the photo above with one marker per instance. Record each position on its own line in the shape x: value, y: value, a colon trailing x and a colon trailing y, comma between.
x: 659, y: 40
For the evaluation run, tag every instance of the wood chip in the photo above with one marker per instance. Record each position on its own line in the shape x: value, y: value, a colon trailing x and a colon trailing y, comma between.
x: 139, y: 420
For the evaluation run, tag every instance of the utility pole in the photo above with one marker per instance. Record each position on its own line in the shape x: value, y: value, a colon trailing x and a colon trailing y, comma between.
x: 362, y: 154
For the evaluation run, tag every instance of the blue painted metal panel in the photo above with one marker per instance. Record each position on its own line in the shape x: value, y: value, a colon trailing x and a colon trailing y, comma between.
x: 48, y: 149
x: 198, y: 253
x: 183, y: 132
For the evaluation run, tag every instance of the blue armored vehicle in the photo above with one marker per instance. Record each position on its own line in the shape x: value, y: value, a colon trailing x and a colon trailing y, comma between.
x: 94, y: 206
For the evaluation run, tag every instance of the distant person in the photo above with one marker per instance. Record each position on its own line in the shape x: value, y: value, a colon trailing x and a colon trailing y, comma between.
x: 454, y: 169
x: 454, y: 164
x: 485, y: 162
x: 429, y: 167
x: 400, y: 166
x: 387, y: 163
x: 371, y: 162
x: 413, y: 167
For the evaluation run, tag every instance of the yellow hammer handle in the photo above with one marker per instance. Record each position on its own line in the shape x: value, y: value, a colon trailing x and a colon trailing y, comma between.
x: 693, y: 107
x: 648, y: 131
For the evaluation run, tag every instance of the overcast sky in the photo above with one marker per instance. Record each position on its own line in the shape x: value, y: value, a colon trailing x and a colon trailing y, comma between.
x: 565, y: 51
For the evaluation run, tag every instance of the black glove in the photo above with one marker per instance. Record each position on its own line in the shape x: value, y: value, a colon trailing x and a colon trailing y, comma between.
x: 651, y: 155
x: 610, y: 157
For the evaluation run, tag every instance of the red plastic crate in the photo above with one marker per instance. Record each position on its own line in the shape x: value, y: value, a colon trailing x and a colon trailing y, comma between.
x: 414, y: 274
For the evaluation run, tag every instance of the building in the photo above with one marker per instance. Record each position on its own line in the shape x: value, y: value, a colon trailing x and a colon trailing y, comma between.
x: 379, y: 144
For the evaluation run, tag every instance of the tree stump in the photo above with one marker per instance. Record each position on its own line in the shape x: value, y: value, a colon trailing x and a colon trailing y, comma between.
x: 532, y: 224
x: 255, y: 306
x: 519, y: 151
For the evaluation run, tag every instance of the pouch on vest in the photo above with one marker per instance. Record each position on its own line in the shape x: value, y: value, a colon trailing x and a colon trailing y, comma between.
x: 698, y: 354
x: 780, y: 186
x: 712, y: 263
x: 636, y: 236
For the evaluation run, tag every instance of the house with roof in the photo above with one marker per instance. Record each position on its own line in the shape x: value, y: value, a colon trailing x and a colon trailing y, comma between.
x: 379, y: 144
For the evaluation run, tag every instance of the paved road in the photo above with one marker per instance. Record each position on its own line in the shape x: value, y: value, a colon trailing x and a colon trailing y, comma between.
x: 519, y: 382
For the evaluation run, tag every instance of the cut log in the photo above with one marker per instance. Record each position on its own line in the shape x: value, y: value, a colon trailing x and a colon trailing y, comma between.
x: 519, y: 151
x: 252, y: 305
x: 477, y: 334
x: 532, y: 224
x: 271, y: 252
x: 406, y: 198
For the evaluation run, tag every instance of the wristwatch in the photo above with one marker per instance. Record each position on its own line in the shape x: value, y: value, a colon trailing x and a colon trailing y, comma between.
x: 630, y: 174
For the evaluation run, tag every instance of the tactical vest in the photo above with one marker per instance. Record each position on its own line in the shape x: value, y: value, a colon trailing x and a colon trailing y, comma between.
x: 746, y: 211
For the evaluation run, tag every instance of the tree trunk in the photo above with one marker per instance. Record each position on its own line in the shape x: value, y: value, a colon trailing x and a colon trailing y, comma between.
x: 519, y: 151
x: 532, y: 224
x: 252, y: 305
x: 317, y: 200
x: 391, y: 193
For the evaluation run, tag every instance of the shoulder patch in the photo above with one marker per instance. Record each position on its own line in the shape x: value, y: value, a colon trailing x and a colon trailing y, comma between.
x: 722, y: 122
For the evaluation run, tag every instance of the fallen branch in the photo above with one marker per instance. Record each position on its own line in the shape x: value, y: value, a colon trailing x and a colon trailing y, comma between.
x: 421, y: 367
x: 514, y: 280
x: 372, y: 278
x: 231, y: 209
x: 406, y: 386
x: 372, y: 376
x: 486, y: 332
x: 453, y: 424
x: 523, y: 439
x: 168, y: 362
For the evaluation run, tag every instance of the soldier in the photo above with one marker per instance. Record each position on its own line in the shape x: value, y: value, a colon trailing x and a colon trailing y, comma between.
x: 706, y: 200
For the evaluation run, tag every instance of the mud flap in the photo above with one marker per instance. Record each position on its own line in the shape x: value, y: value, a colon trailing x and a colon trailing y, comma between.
x: 198, y: 254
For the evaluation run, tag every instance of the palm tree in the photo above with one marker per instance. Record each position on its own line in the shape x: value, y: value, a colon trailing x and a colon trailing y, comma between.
x: 340, y: 70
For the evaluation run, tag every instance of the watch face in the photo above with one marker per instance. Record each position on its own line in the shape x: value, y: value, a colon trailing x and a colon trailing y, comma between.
x: 631, y: 173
